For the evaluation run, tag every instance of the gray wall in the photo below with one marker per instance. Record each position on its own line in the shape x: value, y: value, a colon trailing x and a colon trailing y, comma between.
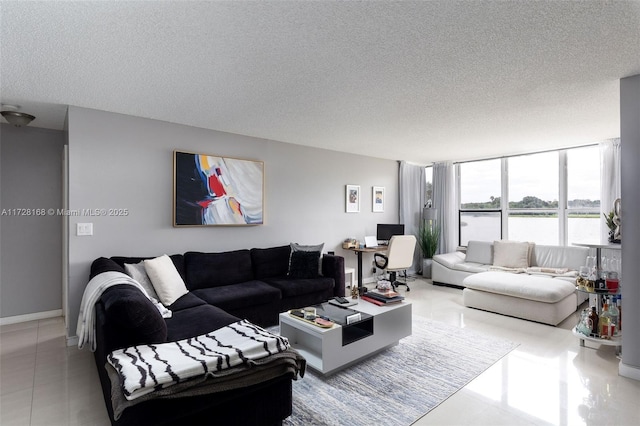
x: 119, y: 161
x: 30, y: 246
x: 630, y: 153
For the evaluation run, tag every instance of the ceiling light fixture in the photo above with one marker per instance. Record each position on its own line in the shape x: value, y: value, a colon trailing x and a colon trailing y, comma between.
x: 14, y: 117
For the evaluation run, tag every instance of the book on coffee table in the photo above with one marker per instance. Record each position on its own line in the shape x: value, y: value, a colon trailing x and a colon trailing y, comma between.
x: 384, y: 298
x: 389, y: 294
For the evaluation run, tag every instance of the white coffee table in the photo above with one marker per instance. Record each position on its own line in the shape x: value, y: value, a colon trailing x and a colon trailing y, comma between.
x: 323, y: 347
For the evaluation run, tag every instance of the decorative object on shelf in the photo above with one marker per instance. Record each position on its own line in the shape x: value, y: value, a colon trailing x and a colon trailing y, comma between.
x: 384, y: 285
x: 352, y: 201
x: 13, y: 116
x: 210, y: 190
x: 377, y: 203
x: 614, y: 222
x: 349, y: 243
x: 583, y: 326
x: 354, y: 292
x: 581, y: 283
x: 428, y: 238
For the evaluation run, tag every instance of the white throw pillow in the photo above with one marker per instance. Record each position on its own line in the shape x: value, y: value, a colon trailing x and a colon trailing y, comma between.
x: 511, y: 254
x: 165, y: 279
x: 138, y: 272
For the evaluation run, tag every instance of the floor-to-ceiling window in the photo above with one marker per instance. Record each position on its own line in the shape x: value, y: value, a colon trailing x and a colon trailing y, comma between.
x: 533, y: 194
x: 583, y: 194
x: 547, y: 198
x: 428, y: 175
x: 480, y: 201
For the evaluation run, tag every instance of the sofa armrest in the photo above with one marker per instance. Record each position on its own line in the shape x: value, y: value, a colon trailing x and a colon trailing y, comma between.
x: 449, y: 260
x: 333, y: 267
x: 125, y: 317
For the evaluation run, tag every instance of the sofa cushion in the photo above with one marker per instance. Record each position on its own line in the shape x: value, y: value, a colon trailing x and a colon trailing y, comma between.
x: 297, y: 287
x: 102, y: 264
x: 295, y: 247
x: 177, y: 259
x: 138, y: 272
x: 134, y: 317
x: 304, y: 264
x: 560, y: 257
x: 538, y: 288
x: 196, y: 321
x: 480, y: 252
x: 205, y: 270
x: 186, y: 301
x: 511, y: 254
x: 471, y: 267
x: 165, y: 279
x: 302, y: 247
x: 270, y: 262
x: 236, y: 296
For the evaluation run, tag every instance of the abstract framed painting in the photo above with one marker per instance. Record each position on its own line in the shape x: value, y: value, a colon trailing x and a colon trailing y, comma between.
x: 217, y: 191
x: 352, y: 194
x: 377, y: 205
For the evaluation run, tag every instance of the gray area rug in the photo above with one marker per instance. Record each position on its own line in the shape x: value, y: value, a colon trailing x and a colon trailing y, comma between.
x: 401, y: 384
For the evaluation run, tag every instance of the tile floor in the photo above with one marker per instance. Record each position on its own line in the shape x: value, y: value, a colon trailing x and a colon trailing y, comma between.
x: 548, y: 380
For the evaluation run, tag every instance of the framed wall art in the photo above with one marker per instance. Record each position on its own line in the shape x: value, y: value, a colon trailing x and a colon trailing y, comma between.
x: 377, y: 204
x: 210, y: 190
x: 352, y: 193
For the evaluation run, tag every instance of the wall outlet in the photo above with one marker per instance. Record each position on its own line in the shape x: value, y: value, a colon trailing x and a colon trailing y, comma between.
x: 84, y: 229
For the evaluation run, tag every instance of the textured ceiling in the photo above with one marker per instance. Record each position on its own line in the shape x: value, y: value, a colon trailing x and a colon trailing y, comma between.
x: 416, y: 81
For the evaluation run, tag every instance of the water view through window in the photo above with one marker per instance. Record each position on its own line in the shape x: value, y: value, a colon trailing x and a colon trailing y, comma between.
x: 537, y: 208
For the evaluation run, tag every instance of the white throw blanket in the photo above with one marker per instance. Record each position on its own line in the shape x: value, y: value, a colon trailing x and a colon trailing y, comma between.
x: 87, y: 317
x: 145, y: 368
x: 537, y: 270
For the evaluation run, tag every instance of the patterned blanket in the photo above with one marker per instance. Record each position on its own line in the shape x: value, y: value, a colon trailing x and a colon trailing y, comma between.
x: 146, y: 368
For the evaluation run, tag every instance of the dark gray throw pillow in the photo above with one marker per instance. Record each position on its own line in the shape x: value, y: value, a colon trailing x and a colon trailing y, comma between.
x: 304, y: 264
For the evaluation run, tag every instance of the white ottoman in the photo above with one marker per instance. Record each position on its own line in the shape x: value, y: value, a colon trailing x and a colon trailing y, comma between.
x: 531, y: 297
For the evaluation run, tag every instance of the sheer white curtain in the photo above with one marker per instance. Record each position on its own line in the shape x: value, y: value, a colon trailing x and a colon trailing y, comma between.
x: 412, y: 199
x: 609, y: 179
x: 444, y: 199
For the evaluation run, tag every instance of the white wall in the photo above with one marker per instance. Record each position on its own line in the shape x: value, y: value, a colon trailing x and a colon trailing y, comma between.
x: 31, y: 261
x: 119, y: 161
x: 630, y: 176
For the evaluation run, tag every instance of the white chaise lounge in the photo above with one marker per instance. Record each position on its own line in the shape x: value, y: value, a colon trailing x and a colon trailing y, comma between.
x: 532, y: 282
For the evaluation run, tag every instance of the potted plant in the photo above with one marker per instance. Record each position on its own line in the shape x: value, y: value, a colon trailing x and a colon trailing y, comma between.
x: 428, y: 237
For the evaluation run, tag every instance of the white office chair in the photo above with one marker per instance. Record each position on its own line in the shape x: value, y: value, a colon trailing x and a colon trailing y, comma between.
x: 399, y: 257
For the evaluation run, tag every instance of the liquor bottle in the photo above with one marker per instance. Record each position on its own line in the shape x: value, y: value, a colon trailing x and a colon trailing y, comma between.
x: 604, y: 324
x: 600, y: 284
x: 614, y: 315
x: 619, y: 306
x: 593, y: 320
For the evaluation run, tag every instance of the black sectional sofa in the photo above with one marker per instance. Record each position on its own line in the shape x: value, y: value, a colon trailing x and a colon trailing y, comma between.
x: 254, y: 284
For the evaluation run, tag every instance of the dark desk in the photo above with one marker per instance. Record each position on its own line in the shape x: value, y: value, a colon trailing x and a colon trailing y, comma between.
x: 359, y: 252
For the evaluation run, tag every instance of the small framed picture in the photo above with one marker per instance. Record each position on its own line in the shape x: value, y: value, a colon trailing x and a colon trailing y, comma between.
x: 352, y: 193
x: 378, y: 199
